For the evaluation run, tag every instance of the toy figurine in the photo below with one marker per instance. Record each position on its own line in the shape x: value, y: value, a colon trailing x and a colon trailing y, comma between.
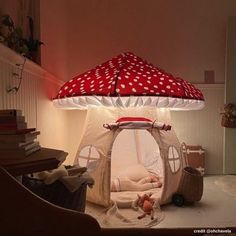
x: 145, y: 202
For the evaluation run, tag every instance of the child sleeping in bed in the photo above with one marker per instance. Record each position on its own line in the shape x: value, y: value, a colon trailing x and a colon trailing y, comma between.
x: 126, y: 184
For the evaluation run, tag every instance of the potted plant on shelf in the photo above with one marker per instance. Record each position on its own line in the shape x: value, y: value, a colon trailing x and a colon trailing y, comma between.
x: 12, y: 37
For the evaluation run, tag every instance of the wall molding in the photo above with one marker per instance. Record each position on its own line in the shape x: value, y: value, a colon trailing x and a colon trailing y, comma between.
x: 10, y: 57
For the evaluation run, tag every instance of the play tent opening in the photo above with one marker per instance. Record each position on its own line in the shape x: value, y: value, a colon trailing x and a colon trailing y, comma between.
x: 135, y: 156
x: 135, y: 147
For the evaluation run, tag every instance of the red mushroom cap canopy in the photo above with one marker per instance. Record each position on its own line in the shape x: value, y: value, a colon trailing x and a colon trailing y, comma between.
x: 126, y: 81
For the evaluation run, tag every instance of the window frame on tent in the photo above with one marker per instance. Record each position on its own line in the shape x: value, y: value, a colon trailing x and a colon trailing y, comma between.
x: 174, y: 159
x: 89, y: 159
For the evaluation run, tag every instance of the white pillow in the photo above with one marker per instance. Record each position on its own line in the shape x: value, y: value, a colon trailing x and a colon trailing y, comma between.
x: 134, y: 172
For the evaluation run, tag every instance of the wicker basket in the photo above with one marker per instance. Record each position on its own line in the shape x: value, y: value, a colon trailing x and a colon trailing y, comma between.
x: 228, y: 122
x: 191, y: 184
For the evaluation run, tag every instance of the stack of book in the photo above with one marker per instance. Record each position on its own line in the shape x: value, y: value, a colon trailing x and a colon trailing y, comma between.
x: 16, y: 140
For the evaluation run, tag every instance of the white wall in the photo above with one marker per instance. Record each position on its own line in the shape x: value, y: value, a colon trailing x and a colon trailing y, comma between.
x: 184, y: 37
x: 54, y: 33
x: 204, y: 127
x: 230, y: 97
x: 34, y: 99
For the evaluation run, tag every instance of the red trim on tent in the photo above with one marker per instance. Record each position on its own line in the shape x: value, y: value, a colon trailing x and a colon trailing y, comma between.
x: 125, y: 119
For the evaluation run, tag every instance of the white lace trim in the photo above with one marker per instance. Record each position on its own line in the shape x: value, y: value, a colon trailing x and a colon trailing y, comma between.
x: 83, y: 102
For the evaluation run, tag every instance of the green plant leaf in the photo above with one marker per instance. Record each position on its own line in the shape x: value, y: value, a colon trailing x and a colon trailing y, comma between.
x: 12, y: 37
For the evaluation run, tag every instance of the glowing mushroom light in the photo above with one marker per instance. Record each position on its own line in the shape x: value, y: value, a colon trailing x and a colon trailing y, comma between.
x: 128, y: 81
